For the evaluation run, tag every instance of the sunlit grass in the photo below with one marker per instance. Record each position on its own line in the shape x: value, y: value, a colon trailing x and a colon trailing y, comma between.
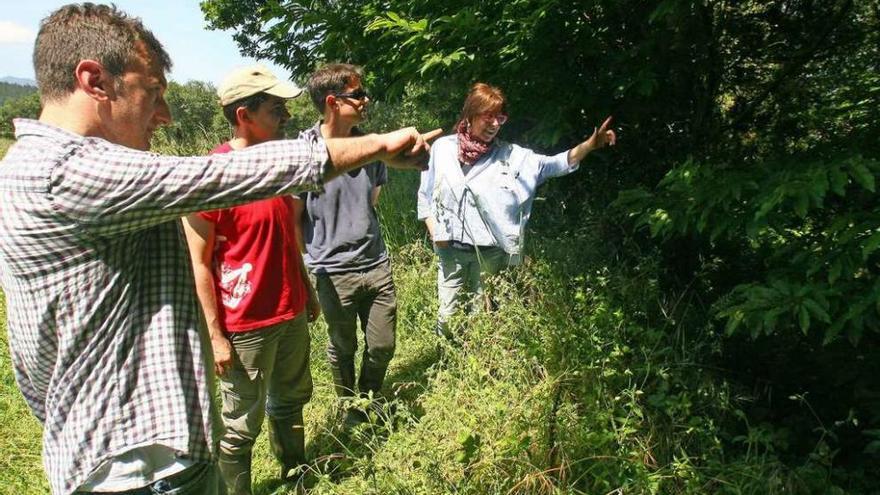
x: 567, y: 388
x: 4, y: 145
x: 21, y: 469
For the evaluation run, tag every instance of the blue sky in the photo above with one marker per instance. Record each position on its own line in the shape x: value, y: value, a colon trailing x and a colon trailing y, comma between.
x: 197, y: 53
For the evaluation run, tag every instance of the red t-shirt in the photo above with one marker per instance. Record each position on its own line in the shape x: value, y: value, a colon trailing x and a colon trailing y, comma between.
x: 257, y: 272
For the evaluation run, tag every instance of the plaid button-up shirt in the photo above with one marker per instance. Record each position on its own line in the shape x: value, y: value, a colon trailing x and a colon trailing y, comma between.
x: 104, y: 326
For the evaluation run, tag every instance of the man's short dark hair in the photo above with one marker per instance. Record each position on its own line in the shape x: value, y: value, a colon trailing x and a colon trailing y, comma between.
x: 329, y: 79
x: 87, y: 31
x: 252, y: 103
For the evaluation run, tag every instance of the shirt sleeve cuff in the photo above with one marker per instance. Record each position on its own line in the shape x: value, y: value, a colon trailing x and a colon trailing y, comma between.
x: 562, y: 159
x: 422, y: 212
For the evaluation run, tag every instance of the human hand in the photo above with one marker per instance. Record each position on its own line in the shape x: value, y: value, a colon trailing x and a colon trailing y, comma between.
x: 222, y: 354
x: 408, y: 149
x: 603, y: 136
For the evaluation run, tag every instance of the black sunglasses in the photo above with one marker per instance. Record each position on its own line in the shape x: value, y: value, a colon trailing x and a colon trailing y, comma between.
x: 357, y: 95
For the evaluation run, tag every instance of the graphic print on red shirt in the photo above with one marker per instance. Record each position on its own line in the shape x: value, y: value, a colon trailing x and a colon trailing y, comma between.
x: 257, y: 272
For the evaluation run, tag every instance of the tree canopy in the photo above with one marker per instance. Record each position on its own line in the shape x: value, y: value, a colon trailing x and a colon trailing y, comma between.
x: 25, y: 105
x: 10, y: 91
x: 760, y: 117
x: 748, y: 152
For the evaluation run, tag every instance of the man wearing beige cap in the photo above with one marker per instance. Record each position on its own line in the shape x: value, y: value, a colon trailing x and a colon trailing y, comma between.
x: 249, y: 81
x: 255, y: 294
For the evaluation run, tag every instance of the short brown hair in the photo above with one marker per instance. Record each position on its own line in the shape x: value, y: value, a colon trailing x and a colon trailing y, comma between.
x: 87, y: 31
x: 252, y: 103
x: 483, y: 98
x: 331, y: 78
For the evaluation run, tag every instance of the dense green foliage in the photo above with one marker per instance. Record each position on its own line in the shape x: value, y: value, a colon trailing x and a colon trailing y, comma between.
x: 10, y: 91
x: 743, y: 186
x: 26, y: 105
x: 197, y: 123
x: 700, y: 310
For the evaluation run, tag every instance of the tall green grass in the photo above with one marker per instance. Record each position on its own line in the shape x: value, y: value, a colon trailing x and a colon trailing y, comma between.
x: 21, y: 469
x: 588, y: 378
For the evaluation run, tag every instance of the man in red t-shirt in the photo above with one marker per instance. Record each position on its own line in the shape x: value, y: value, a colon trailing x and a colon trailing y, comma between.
x: 255, y: 294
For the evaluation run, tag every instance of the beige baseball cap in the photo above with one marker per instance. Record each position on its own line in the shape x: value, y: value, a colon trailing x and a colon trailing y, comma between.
x: 253, y: 79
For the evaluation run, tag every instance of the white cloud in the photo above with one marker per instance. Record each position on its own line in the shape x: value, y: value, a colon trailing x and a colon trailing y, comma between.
x: 11, y: 32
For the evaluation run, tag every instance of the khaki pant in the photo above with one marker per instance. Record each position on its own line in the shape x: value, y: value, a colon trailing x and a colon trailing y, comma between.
x: 269, y: 375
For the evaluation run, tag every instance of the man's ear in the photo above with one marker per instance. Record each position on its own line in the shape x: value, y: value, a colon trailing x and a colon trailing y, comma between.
x: 92, y: 78
x: 242, y: 115
x: 329, y: 101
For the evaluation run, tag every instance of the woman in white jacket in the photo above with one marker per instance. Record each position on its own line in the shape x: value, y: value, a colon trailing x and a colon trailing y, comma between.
x: 477, y: 194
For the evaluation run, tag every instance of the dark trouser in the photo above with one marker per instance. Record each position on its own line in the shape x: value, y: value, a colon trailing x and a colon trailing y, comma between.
x: 368, y: 296
x: 198, y: 479
x: 270, y: 363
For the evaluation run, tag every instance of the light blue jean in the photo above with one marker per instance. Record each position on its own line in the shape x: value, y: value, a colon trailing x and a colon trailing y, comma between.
x: 460, y: 275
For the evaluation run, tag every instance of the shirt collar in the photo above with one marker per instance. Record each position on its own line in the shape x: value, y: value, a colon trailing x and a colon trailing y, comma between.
x: 30, y: 127
x: 311, y: 133
x: 315, y: 131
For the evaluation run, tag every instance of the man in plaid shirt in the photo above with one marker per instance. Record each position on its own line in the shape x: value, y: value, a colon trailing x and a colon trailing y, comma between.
x: 104, y: 327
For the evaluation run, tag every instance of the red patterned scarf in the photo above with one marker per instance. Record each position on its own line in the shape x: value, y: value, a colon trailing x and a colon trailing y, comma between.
x: 470, y: 149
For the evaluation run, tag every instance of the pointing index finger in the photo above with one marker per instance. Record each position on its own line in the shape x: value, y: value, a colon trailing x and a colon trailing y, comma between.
x: 431, y: 135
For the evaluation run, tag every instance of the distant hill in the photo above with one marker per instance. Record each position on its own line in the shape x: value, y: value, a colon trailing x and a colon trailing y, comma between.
x: 10, y: 91
x: 21, y: 81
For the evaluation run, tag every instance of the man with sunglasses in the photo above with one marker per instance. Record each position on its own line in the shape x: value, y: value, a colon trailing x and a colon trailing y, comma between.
x: 343, y: 246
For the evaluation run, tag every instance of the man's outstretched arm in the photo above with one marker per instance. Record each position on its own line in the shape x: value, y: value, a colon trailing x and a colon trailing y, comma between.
x: 403, y: 149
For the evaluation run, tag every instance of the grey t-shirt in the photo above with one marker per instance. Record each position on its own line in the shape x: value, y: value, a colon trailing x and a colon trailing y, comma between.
x: 339, y: 226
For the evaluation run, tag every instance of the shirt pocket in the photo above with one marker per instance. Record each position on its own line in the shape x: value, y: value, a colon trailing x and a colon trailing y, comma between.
x: 512, y: 191
x: 445, y: 210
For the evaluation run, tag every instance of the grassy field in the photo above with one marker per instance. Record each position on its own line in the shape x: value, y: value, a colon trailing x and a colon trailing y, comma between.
x: 574, y: 385
x: 438, y: 407
x: 436, y: 410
